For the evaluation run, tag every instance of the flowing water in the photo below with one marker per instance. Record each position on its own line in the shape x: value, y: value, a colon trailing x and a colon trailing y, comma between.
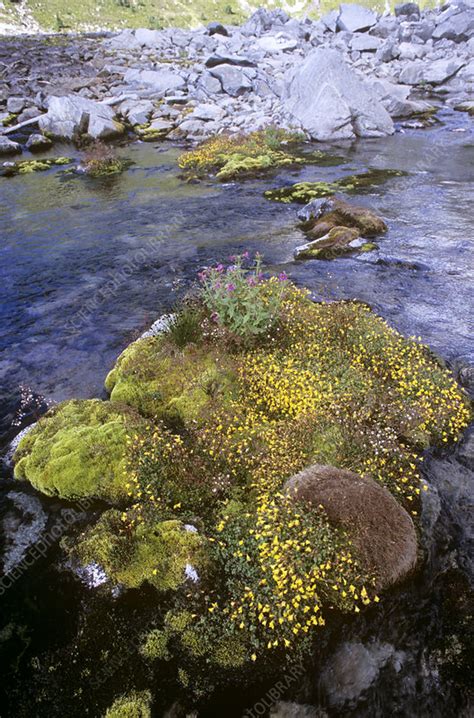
x: 87, y: 264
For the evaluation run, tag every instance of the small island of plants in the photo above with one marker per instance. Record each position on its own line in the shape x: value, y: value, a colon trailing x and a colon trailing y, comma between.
x: 210, y: 431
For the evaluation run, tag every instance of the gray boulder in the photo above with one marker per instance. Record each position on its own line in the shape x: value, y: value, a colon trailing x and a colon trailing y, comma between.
x: 264, y: 20
x: 407, y: 9
x: 161, y: 81
x: 365, y: 43
x: 277, y: 43
x: 235, y: 81
x: 457, y: 27
x: 71, y: 115
x: 216, y: 28
x: 353, y: 668
x: 439, y: 71
x: 8, y: 147
x: 16, y: 104
x: 329, y: 21
x: 331, y: 102
x: 355, y: 18
x: 38, y: 143
x: 137, y: 112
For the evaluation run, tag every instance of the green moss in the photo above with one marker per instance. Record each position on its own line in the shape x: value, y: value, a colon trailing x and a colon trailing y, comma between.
x: 78, y: 449
x: 301, y: 192
x: 238, y: 166
x: 131, y: 705
x: 23, y: 167
x: 166, y: 383
x: 9, y: 120
x: 155, y: 646
x: 230, y: 652
x: 240, y: 156
x: 304, y: 192
x: 132, y: 551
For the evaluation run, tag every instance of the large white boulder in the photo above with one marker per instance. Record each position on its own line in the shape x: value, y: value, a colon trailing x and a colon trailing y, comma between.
x: 161, y: 81
x: 355, y: 18
x: 330, y: 102
x: 71, y: 115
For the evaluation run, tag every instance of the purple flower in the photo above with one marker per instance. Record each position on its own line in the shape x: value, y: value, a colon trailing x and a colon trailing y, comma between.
x: 232, y: 258
x: 230, y: 287
x: 251, y: 281
x: 282, y: 277
x: 245, y: 255
x: 220, y: 268
x: 215, y: 317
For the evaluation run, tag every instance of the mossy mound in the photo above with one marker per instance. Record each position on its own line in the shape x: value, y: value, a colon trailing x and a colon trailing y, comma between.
x: 78, y: 449
x: 381, y: 531
x: 131, y: 705
x: 167, y: 383
x: 239, y: 156
x: 132, y: 550
x: 23, y: 167
x: 304, y: 192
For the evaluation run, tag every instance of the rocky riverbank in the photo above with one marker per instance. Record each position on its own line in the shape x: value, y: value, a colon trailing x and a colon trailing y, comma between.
x: 176, y: 83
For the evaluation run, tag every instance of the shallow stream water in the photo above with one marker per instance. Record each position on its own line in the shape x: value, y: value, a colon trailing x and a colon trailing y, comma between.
x: 87, y: 264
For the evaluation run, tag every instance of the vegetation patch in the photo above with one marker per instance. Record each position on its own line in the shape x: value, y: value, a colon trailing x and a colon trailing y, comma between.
x: 252, y: 383
x: 136, y: 704
x: 78, y: 449
x: 23, y: 167
x: 230, y: 157
x: 304, y: 192
x: 100, y: 160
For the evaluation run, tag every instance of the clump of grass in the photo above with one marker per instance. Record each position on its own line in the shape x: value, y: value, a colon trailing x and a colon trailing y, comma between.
x: 100, y: 160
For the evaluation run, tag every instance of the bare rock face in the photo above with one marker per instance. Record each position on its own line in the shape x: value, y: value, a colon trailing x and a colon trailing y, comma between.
x: 382, y: 532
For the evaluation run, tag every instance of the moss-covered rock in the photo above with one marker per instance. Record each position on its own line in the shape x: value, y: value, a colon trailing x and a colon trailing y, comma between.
x: 29, y: 166
x: 132, y: 550
x: 78, y: 449
x: 131, y: 705
x: 239, y: 156
x: 381, y: 531
x: 338, y: 213
x: 335, y: 243
x: 302, y: 192
x: 168, y: 383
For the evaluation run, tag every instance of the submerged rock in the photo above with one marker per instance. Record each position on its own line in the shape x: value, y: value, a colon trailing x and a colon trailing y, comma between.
x: 382, y: 532
x: 353, y: 668
x: 22, y: 527
x: 330, y: 101
x: 38, y: 143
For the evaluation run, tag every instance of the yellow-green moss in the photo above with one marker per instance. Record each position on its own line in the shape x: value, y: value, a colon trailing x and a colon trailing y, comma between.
x: 77, y: 450
x: 155, y: 646
x: 131, y: 552
x: 239, y: 156
x: 131, y: 705
x: 163, y: 382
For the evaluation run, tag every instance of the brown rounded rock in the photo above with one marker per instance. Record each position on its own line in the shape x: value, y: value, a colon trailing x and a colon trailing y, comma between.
x: 381, y: 531
x: 340, y: 213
